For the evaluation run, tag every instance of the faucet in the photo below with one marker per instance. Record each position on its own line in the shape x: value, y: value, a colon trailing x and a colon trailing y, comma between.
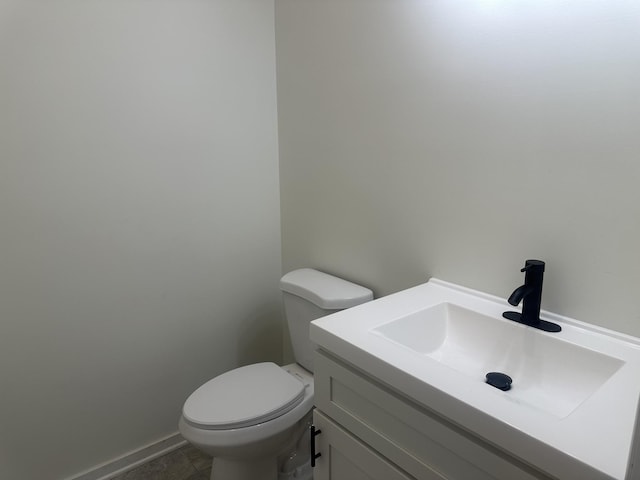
x: 530, y: 294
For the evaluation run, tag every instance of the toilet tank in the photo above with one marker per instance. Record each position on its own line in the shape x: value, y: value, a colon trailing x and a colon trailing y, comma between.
x: 309, y: 294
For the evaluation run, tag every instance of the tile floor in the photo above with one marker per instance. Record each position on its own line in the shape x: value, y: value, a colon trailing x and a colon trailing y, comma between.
x: 186, y: 463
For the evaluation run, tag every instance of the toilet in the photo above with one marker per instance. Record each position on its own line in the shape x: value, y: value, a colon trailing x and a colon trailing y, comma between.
x: 253, y: 420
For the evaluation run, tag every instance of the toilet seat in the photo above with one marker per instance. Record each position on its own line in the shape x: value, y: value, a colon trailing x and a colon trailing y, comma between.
x: 244, y: 397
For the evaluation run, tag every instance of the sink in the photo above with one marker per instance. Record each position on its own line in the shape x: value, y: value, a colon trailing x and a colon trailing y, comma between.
x: 573, y: 406
x: 548, y: 374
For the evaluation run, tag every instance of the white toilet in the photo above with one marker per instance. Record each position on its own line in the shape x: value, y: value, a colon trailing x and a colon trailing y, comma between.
x: 253, y: 419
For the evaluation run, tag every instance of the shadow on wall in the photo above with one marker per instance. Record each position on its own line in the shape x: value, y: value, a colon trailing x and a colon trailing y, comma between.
x: 259, y: 338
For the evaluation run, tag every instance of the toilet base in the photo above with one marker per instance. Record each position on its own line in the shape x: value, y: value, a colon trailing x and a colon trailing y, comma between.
x: 265, y: 468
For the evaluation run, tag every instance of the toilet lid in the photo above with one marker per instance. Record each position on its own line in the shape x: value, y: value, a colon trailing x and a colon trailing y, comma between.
x: 243, y: 397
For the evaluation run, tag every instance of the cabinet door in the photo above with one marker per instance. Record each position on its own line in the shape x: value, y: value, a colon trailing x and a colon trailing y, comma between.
x: 343, y: 457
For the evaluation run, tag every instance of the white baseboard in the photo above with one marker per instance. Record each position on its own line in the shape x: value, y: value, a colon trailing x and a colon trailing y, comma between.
x: 133, y: 459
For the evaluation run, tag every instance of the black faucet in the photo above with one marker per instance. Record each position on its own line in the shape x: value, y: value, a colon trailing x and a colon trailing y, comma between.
x: 530, y: 294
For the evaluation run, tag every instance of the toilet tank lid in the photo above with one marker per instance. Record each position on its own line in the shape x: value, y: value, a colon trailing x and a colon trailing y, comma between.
x: 324, y: 290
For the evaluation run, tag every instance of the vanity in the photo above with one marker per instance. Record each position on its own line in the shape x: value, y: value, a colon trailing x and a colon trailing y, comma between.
x: 401, y: 393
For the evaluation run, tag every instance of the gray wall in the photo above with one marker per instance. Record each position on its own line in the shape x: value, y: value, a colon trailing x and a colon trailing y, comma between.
x: 458, y: 138
x: 139, y: 219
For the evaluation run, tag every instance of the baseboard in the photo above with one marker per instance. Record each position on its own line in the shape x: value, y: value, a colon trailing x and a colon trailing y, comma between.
x: 133, y: 459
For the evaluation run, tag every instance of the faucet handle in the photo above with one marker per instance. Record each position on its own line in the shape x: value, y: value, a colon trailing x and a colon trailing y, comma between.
x: 529, y: 264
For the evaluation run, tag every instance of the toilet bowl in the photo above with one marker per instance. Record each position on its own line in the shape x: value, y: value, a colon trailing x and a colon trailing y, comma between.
x: 252, y: 419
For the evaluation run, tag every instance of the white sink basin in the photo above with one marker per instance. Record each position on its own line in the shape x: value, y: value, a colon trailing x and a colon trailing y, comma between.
x: 573, y: 406
x: 548, y: 374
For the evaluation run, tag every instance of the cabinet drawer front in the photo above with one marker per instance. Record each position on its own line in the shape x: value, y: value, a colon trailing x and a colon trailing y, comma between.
x: 346, y: 458
x: 408, y: 435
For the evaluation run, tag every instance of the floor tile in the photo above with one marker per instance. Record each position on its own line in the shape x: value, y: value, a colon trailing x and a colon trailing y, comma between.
x: 173, y: 466
x: 200, y: 460
x: 199, y: 476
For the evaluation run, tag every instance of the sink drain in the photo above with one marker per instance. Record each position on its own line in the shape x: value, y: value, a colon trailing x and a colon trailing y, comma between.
x: 499, y: 380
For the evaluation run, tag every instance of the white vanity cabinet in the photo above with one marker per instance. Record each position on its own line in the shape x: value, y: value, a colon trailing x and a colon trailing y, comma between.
x: 370, y: 432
